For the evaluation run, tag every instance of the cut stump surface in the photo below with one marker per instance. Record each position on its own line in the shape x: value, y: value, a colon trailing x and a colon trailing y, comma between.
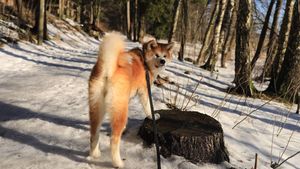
x: 193, y: 135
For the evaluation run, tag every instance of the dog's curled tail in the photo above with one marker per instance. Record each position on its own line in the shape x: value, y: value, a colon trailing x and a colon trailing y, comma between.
x: 110, y: 49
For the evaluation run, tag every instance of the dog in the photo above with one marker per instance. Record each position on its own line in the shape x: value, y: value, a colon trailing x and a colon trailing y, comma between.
x: 117, y: 76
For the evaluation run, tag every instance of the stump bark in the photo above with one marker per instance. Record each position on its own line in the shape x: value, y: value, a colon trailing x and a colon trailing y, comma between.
x: 193, y: 135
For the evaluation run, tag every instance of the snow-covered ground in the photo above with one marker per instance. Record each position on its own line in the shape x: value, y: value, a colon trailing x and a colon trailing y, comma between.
x: 44, y: 113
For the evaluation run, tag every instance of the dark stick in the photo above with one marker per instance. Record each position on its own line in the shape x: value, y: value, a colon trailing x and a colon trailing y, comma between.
x: 153, y: 120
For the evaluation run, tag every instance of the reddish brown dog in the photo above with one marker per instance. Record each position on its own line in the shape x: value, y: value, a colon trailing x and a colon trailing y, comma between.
x: 117, y: 76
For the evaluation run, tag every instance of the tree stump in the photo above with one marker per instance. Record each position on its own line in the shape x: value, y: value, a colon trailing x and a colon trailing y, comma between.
x: 193, y: 135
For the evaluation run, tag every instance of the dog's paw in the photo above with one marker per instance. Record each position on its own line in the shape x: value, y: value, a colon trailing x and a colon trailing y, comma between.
x: 94, y: 155
x: 156, y: 115
x: 118, y: 164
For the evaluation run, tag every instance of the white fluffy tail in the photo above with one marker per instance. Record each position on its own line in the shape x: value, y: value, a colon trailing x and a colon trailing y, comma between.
x: 110, y: 49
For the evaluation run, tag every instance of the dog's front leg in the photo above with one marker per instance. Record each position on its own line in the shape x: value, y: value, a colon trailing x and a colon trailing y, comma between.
x: 144, y: 98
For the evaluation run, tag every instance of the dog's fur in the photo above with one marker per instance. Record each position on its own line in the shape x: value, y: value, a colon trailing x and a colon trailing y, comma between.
x: 117, y: 76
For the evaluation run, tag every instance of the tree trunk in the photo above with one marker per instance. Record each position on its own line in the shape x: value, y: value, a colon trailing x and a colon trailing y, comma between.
x: 45, y: 29
x: 262, y: 35
x: 142, y: 7
x: 61, y: 9
x: 197, y: 35
x: 228, y: 43
x: 135, y: 21
x: 91, y: 13
x: 243, y: 83
x: 298, y: 102
x: 211, y: 62
x: 128, y: 20
x: 205, y: 43
x: 225, y: 28
x: 193, y: 135
x: 184, y: 30
x: 96, y: 14
x: 289, y: 77
x: 68, y: 9
x: 20, y: 8
x: 41, y: 22
x: 272, y: 42
x: 176, y: 10
x: 50, y: 6
x: 281, y: 46
x: 78, y: 16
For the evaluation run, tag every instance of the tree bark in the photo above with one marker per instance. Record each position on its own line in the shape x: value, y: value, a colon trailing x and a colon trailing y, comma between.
x: 211, y: 62
x: 262, y: 35
x: 128, y: 20
x: 78, y: 16
x: 20, y: 8
x: 45, y: 29
x: 96, y: 13
x: 91, y: 21
x: 298, y: 103
x: 272, y: 42
x: 184, y: 30
x: 142, y: 7
x: 68, y: 9
x: 228, y: 43
x: 50, y: 6
x: 243, y: 82
x: 41, y: 22
x: 198, y: 33
x: 176, y: 10
x: 281, y: 46
x: 206, y: 43
x: 135, y: 21
x: 61, y: 9
x: 289, y: 77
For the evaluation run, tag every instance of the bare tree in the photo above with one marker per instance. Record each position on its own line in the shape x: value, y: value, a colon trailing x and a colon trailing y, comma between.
x: 262, y: 35
x: 197, y: 33
x: 41, y: 22
x: 61, y: 9
x: 79, y: 10
x: 184, y: 29
x: 135, y: 21
x: 281, y: 46
x: 205, y: 44
x: 272, y: 45
x: 142, y: 8
x: 242, y: 79
x: 229, y: 39
x: 128, y: 20
x: 289, y: 77
x: 176, y: 10
x: 211, y: 62
x: 298, y: 102
x: 20, y: 8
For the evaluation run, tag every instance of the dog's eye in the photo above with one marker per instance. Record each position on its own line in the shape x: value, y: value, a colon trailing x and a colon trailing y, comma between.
x: 165, y: 56
x: 157, y: 56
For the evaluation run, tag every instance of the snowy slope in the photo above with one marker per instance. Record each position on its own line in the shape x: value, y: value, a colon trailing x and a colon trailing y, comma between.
x: 44, y: 114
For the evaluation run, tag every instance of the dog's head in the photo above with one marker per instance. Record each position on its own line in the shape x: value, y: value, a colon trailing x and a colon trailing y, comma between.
x: 157, y: 55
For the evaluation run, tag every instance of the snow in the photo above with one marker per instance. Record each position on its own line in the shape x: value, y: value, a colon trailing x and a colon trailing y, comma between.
x: 44, y: 112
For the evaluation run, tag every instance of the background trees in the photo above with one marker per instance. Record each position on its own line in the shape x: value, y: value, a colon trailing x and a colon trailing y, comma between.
x: 206, y: 31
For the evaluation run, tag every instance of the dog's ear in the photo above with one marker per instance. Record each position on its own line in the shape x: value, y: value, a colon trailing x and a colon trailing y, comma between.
x: 150, y: 45
x: 170, y: 46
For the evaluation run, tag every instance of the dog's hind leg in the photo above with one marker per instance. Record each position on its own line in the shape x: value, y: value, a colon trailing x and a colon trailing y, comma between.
x: 118, y: 122
x: 97, y: 112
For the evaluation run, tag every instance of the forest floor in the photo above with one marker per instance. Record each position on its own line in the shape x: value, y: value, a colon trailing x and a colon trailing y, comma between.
x: 44, y: 112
